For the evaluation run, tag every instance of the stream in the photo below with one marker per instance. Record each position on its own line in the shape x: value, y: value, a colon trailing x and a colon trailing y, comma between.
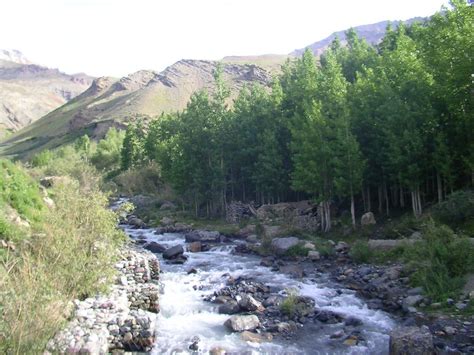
x: 185, y: 315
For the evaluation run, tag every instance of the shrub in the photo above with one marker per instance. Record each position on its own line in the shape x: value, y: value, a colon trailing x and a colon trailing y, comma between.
x: 297, y: 250
x: 289, y: 305
x: 107, y: 154
x: 143, y: 180
x: 19, y: 190
x: 440, y: 261
x: 71, y: 256
x: 456, y: 209
x: 360, y: 252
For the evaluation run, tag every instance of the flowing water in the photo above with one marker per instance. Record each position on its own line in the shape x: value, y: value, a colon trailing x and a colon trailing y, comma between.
x: 184, y: 314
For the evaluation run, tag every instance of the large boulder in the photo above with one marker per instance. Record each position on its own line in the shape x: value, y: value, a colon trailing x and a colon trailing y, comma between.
x: 155, y: 247
x: 173, y: 252
x: 281, y: 245
x: 411, y: 341
x: 136, y: 222
x: 241, y: 323
x: 230, y: 307
x: 203, y: 236
x: 248, y: 303
x: 367, y: 219
x: 195, y: 247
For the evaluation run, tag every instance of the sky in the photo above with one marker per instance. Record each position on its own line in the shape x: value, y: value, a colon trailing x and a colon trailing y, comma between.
x: 118, y: 37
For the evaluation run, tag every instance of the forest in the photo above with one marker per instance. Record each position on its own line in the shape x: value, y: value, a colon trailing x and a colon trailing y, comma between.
x: 364, y: 128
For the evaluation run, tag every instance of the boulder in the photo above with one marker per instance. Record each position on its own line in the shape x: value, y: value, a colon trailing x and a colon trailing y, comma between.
x: 341, y: 247
x: 195, y: 247
x: 155, y: 247
x: 281, y: 245
x: 203, y: 236
x: 314, y: 255
x: 309, y: 246
x: 248, y: 303
x: 247, y: 231
x: 166, y: 221
x: 412, y: 301
x: 167, y: 205
x: 367, y: 219
x: 411, y: 341
x: 173, y: 252
x: 136, y: 222
x: 230, y: 307
x: 256, y: 338
x: 240, y: 323
x: 273, y: 231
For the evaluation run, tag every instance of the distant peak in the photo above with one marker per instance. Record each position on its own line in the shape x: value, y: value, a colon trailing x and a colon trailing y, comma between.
x: 13, y: 55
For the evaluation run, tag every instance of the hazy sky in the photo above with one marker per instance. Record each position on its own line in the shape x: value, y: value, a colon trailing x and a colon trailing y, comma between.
x: 117, y: 37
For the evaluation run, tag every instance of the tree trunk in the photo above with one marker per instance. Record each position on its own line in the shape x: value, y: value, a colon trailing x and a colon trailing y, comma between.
x: 325, y: 216
x: 369, y: 203
x: 353, y: 211
x: 364, y: 199
x: 387, y: 201
x: 402, y: 197
x: 416, y: 202
x: 379, y: 190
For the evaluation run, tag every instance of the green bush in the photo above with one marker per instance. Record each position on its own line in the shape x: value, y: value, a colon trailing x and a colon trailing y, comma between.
x: 144, y: 180
x: 360, y: 252
x: 20, y: 191
x: 297, y: 250
x: 70, y: 256
x: 458, y: 208
x: 440, y: 261
x: 289, y: 305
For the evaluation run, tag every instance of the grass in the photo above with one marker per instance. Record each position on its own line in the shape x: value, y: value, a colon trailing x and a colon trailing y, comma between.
x: 289, y: 305
x: 67, y: 253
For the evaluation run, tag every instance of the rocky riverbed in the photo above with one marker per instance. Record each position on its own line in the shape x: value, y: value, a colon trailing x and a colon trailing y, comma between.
x: 122, y: 320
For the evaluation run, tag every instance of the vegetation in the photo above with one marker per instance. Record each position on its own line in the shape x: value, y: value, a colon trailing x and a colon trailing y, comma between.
x: 289, y: 305
x: 64, y: 252
x: 382, y: 128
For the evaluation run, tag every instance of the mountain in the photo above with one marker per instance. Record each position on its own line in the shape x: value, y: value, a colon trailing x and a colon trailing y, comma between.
x: 29, y: 91
x: 372, y: 33
x: 110, y: 102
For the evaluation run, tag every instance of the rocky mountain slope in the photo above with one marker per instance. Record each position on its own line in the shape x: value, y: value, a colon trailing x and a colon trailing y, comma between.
x: 372, y: 33
x: 109, y: 102
x: 29, y: 91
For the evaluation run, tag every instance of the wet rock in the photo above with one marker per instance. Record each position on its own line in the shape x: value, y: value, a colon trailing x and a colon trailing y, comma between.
x: 173, y: 252
x: 136, y: 222
x: 230, y: 307
x: 195, y: 344
x: 217, y: 351
x: 248, y: 303
x: 411, y: 340
x: 241, y: 323
x: 155, y: 247
x: 337, y: 335
x: 328, y: 317
x: 351, y: 341
x: 367, y: 219
x: 195, y: 247
x: 192, y: 271
x: 285, y: 327
x: 252, y: 239
x: 203, y: 236
x: 281, y: 245
x: 178, y: 260
x: 352, y: 322
x: 268, y: 262
x: 293, y: 270
x: 256, y: 338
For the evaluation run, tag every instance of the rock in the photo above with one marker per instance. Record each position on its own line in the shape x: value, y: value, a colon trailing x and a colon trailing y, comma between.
x: 195, y: 247
x: 281, y: 245
x: 393, y: 273
x: 248, y: 303
x: 192, y: 271
x: 415, y: 291
x: 337, y: 335
x: 411, y: 341
x: 230, y: 307
x: 351, y: 341
x: 285, y: 327
x: 293, y: 270
x: 217, y: 351
x: 167, y: 205
x: 416, y: 235
x: 252, y: 239
x: 256, y: 338
x: 155, y: 247
x: 49, y: 202
x: 203, y: 236
x: 352, y: 322
x: 173, y: 252
x: 367, y: 219
x: 450, y: 330
x: 136, y: 222
x: 411, y: 301
x: 241, y: 323
x: 341, y: 247
x: 273, y: 231
x: 310, y: 246
x: 237, y: 211
x: 166, y: 221
x: 314, y: 255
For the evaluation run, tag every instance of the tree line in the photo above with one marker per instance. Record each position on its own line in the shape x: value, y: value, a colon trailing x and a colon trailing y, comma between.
x: 375, y: 128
